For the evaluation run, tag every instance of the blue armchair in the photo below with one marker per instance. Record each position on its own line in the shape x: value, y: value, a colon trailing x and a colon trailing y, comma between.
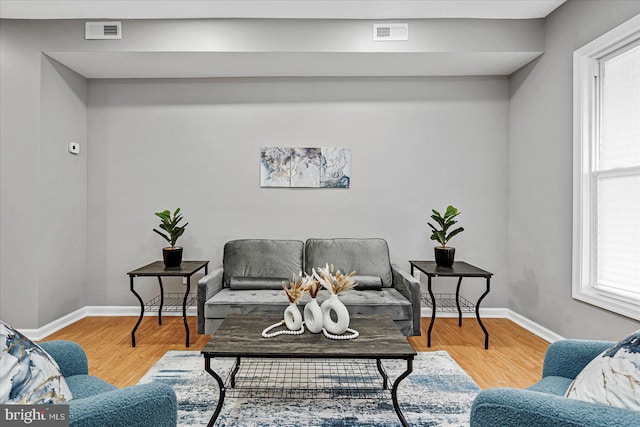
x: 98, y: 403
x: 544, y: 404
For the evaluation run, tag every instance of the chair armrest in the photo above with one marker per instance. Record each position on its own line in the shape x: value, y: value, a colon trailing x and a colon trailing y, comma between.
x: 567, y: 358
x: 152, y: 404
x: 70, y: 357
x: 514, y: 407
x: 409, y: 287
x: 208, y: 286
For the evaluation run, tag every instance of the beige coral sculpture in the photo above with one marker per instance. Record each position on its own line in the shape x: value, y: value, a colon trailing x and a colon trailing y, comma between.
x: 296, y: 288
x: 334, y: 283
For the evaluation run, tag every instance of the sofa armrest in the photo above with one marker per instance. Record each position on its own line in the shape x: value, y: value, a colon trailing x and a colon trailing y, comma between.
x: 152, y: 404
x: 70, y: 357
x: 514, y: 407
x: 208, y: 286
x: 409, y: 287
x: 567, y: 358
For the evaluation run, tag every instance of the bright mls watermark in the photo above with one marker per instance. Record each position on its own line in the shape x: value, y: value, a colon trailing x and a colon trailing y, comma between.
x: 34, y: 415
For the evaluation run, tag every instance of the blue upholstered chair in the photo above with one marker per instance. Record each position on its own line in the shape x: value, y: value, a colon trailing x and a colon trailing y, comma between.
x: 544, y: 404
x: 98, y: 403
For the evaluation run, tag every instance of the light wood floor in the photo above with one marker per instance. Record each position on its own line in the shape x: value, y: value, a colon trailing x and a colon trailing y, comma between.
x: 514, y: 357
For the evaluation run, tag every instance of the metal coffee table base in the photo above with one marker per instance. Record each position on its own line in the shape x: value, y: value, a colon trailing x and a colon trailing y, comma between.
x: 308, y: 365
x: 362, y: 369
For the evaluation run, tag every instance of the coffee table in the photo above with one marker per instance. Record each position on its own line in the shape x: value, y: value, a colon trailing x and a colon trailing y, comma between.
x: 239, y: 337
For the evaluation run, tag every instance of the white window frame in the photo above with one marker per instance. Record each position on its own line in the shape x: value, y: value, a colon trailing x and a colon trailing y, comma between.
x: 586, y: 66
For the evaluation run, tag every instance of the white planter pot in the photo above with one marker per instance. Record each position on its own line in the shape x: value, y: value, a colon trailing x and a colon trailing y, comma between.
x: 292, y: 317
x: 313, y: 318
x: 342, y: 315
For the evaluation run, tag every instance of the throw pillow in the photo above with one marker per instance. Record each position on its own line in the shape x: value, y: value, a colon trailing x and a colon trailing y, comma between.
x: 367, y: 283
x: 612, y: 378
x: 255, y: 283
x: 28, y: 375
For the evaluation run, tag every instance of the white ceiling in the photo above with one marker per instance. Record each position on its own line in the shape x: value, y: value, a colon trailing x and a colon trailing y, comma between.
x: 292, y: 9
x: 156, y: 63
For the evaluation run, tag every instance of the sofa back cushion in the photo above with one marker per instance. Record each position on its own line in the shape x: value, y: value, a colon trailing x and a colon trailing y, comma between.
x: 276, y: 260
x: 367, y: 257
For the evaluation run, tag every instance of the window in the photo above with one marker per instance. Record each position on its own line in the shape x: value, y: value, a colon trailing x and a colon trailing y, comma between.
x: 606, y: 210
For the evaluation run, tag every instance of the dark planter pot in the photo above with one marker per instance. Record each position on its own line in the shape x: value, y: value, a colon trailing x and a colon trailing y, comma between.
x: 172, y: 257
x: 444, y: 256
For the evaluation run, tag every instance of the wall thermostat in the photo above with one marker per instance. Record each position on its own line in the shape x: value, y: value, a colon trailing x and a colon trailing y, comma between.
x: 74, y: 148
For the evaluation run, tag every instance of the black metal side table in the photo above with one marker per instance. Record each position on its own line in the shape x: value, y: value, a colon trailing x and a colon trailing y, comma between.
x: 459, y: 269
x: 157, y: 268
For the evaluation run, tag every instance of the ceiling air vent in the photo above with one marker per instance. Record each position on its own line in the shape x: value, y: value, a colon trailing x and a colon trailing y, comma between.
x: 102, y: 30
x: 390, y: 32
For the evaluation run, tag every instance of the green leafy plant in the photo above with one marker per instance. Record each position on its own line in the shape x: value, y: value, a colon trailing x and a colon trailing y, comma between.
x: 445, y: 222
x: 170, y: 225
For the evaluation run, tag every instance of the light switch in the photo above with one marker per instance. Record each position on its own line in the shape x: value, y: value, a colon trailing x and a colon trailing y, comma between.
x: 74, y: 148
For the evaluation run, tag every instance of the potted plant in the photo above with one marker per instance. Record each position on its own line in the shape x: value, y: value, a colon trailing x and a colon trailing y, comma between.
x: 444, y: 254
x: 172, y: 255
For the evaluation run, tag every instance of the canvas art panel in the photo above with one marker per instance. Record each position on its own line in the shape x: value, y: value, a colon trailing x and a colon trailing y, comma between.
x: 335, y: 171
x: 275, y: 167
x: 305, y: 167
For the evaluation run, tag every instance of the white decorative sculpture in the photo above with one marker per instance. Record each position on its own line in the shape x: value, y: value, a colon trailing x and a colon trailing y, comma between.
x: 335, y: 284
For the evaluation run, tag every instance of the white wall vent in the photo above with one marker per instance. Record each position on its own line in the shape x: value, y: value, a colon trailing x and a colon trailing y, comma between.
x: 102, y: 30
x: 390, y: 32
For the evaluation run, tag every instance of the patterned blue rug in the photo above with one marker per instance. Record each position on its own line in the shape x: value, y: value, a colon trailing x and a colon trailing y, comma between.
x: 437, y: 393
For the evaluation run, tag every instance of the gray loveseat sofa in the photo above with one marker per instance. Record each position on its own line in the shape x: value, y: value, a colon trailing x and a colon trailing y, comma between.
x: 251, y: 275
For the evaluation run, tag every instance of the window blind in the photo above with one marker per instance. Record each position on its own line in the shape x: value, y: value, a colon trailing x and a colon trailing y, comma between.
x: 617, y: 174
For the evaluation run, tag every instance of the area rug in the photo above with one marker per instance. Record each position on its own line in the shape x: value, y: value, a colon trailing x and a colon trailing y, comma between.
x: 437, y: 393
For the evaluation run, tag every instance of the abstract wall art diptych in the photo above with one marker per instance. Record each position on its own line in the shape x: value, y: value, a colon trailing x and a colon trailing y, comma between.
x: 305, y: 167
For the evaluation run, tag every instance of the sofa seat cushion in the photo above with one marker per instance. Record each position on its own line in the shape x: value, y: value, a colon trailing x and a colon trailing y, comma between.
x: 552, y: 385
x: 386, y: 301
x: 229, y: 301
x: 86, y: 386
x: 252, y: 283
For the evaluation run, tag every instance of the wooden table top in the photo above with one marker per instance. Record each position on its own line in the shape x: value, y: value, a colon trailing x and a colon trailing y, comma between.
x: 240, y: 336
x: 459, y: 268
x: 157, y: 268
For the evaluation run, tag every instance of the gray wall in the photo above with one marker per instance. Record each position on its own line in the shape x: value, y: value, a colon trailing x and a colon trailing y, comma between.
x: 417, y: 144
x: 62, y: 236
x: 43, y: 188
x: 19, y: 178
x: 540, y: 176
x: 500, y: 150
x: 72, y: 226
